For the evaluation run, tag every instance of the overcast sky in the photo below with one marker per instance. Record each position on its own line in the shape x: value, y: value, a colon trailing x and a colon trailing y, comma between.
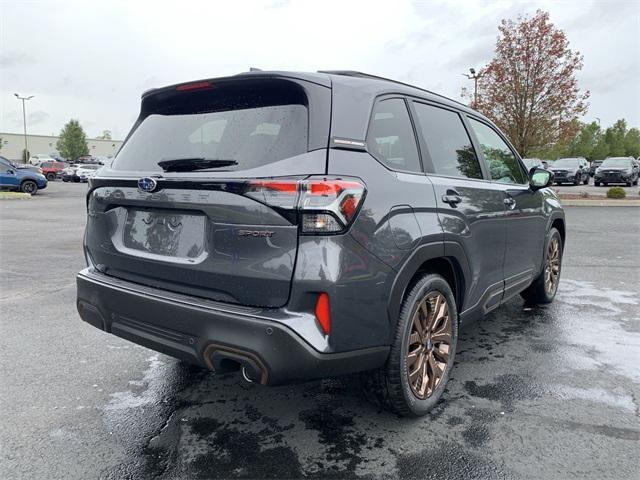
x: 91, y: 61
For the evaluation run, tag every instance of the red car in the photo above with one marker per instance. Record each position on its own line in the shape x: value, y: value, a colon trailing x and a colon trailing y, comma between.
x: 52, y: 170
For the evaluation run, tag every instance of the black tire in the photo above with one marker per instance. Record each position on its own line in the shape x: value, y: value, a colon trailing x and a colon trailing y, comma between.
x: 629, y: 183
x: 29, y: 186
x: 635, y: 182
x: 76, y: 180
x: 65, y: 180
x: 605, y: 184
x: 51, y: 177
x: 389, y: 385
x: 586, y: 180
x: 537, y: 292
x: 597, y: 184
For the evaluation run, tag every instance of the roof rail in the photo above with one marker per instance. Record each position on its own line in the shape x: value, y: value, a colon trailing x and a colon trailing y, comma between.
x: 355, y: 73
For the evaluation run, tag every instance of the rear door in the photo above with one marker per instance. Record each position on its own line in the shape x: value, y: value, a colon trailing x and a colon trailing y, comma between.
x: 470, y: 208
x: 225, y: 233
x: 526, y: 221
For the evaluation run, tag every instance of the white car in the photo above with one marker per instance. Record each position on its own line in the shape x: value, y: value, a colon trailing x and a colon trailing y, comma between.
x: 85, y: 172
x: 39, y: 158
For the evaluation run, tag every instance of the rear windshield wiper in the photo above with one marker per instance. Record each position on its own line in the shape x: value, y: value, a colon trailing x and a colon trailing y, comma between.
x: 191, y: 164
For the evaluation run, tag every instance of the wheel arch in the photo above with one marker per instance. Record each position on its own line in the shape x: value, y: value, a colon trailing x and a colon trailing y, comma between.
x: 428, y: 258
x: 557, y: 222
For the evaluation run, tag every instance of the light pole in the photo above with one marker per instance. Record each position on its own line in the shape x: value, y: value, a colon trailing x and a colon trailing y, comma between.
x: 24, y: 122
x: 474, y: 76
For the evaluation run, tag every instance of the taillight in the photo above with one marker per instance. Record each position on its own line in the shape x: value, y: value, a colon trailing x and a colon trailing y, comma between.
x: 193, y: 86
x: 326, y: 205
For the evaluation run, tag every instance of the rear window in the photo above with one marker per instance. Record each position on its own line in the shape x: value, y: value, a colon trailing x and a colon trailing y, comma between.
x: 253, y: 128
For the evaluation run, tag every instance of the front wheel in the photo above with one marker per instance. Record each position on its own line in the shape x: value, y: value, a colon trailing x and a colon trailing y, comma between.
x: 51, y: 177
x: 597, y: 184
x: 545, y: 286
x: 586, y: 180
x: 29, y: 186
x: 421, y: 357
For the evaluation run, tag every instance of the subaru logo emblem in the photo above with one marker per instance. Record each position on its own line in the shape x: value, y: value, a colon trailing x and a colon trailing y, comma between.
x: 147, y: 184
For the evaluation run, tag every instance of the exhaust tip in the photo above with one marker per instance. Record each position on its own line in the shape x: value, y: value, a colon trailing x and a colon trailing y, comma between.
x: 222, y: 359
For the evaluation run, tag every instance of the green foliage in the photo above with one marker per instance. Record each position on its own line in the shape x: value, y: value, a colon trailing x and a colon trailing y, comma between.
x: 616, y: 192
x: 593, y: 143
x: 73, y: 141
x: 614, y: 136
x: 632, y: 142
x: 106, y: 135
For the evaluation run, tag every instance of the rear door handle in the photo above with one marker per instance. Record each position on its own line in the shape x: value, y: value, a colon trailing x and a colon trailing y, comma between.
x: 451, y: 197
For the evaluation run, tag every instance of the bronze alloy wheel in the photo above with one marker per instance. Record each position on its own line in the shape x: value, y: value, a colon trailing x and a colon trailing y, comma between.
x: 552, y: 266
x: 430, y: 339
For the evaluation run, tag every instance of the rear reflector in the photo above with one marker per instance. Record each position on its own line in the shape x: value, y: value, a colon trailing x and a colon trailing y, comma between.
x: 322, y: 312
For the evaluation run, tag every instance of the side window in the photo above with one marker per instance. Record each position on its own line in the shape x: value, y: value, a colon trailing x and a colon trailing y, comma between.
x: 502, y: 163
x: 391, y: 139
x: 4, y: 167
x: 448, y: 143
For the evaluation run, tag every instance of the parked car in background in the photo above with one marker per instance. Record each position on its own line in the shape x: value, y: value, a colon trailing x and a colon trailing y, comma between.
x: 88, y: 159
x: 532, y: 163
x: 617, y: 170
x: 102, y: 159
x: 21, y: 179
x: 571, y: 170
x: 52, y: 170
x: 56, y: 156
x: 302, y: 225
x: 545, y: 164
x: 27, y: 166
x: 69, y: 173
x: 85, y: 172
x: 594, y: 166
x: 39, y: 158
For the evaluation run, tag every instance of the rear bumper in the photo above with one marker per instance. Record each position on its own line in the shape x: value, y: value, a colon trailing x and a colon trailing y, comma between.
x: 211, y: 334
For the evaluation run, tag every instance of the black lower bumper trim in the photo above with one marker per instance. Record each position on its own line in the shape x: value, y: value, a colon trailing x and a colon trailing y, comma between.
x: 193, y: 331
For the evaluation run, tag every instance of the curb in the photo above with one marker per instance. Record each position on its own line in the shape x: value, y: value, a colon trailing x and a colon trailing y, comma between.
x: 605, y: 202
x: 14, y: 196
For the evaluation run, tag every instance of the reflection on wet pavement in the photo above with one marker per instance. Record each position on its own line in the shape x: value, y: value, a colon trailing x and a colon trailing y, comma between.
x: 526, y: 380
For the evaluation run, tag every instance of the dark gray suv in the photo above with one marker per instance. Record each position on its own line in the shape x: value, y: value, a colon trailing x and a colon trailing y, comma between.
x: 303, y: 225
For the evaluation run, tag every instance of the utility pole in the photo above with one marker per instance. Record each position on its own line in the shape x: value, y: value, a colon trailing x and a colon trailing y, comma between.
x: 474, y: 76
x: 24, y: 122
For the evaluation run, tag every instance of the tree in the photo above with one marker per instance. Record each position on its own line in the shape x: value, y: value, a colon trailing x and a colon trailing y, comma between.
x: 585, y: 142
x: 529, y: 89
x: 106, y: 135
x: 601, y: 149
x: 632, y: 142
x: 614, y: 136
x: 73, y: 141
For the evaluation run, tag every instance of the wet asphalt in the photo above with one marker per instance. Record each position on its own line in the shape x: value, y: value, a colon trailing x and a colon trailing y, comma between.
x: 550, y: 392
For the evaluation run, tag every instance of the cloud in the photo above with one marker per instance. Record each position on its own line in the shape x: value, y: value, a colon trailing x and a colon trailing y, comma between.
x: 14, y: 58
x: 84, y: 70
x: 34, y: 118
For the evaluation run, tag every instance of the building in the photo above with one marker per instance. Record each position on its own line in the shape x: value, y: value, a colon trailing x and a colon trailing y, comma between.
x: 13, y: 145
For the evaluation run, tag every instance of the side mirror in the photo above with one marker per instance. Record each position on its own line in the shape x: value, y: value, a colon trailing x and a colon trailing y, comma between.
x: 11, y: 172
x: 540, y: 178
